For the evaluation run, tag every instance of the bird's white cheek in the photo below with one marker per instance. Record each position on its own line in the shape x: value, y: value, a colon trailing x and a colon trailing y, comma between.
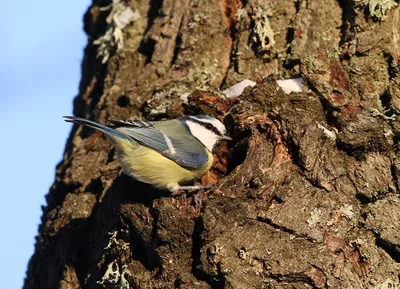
x: 205, y: 136
x: 210, y: 143
x: 207, y: 139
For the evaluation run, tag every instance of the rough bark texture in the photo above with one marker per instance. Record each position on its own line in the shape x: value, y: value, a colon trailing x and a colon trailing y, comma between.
x: 307, y: 193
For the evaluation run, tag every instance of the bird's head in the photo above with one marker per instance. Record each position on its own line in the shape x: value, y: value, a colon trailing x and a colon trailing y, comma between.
x: 208, y: 130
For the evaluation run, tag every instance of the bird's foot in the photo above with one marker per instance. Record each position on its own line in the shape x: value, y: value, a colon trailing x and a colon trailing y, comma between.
x: 181, y: 189
x: 195, y: 188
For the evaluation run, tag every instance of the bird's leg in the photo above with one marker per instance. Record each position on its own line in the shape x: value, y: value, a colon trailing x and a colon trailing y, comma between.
x: 177, y: 189
x: 186, y: 188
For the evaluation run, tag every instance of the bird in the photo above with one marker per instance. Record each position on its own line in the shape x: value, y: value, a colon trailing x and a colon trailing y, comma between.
x: 168, y: 155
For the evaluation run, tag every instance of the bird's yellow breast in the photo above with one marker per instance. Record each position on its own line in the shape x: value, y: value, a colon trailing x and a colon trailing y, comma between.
x: 151, y: 167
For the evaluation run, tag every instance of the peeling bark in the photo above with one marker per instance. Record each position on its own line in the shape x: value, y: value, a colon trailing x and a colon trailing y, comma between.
x: 306, y: 195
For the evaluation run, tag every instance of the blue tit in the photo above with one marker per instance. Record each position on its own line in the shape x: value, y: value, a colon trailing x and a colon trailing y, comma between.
x: 165, y: 154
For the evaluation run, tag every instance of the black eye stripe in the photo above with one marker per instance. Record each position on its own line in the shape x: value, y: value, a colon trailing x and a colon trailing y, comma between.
x: 207, y: 126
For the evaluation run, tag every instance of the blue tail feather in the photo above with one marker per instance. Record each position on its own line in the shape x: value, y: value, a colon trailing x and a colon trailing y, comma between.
x: 97, y: 126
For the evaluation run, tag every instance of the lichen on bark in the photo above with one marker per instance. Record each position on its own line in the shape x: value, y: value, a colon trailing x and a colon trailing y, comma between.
x: 306, y: 194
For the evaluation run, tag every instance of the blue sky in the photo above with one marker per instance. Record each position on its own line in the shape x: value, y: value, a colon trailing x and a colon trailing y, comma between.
x: 40, y: 55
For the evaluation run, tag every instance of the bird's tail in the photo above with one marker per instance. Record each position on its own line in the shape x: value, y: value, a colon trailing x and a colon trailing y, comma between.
x: 114, y: 134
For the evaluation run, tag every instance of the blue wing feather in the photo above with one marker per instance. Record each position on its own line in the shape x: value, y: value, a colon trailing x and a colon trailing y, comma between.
x: 190, y: 154
x: 163, y: 138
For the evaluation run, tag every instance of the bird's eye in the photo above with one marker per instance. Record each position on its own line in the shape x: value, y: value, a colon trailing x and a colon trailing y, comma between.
x: 209, y: 126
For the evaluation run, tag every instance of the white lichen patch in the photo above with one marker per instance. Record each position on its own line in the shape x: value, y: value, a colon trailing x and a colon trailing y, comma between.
x: 315, y: 217
x: 114, y: 242
x: 116, y: 276
x: 380, y: 8
x: 112, y: 274
x: 124, y: 282
x: 242, y: 254
x: 376, y: 112
x: 291, y: 85
x: 240, y: 14
x: 262, y: 31
x: 347, y: 211
x: 124, y: 16
x: 120, y: 16
x: 327, y: 132
x: 238, y: 88
x: 388, y: 284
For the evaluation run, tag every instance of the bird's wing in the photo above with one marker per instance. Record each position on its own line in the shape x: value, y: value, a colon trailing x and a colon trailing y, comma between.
x: 132, y: 123
x: 168, y: 138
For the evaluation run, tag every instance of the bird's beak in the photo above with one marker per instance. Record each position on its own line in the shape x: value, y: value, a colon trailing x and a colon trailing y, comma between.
x: 225, y: 137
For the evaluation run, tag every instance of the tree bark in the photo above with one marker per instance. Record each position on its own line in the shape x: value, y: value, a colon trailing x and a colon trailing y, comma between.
x: 306, y: 194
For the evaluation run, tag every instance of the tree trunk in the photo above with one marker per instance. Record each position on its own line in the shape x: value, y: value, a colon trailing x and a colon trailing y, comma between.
x: 306, y: 194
